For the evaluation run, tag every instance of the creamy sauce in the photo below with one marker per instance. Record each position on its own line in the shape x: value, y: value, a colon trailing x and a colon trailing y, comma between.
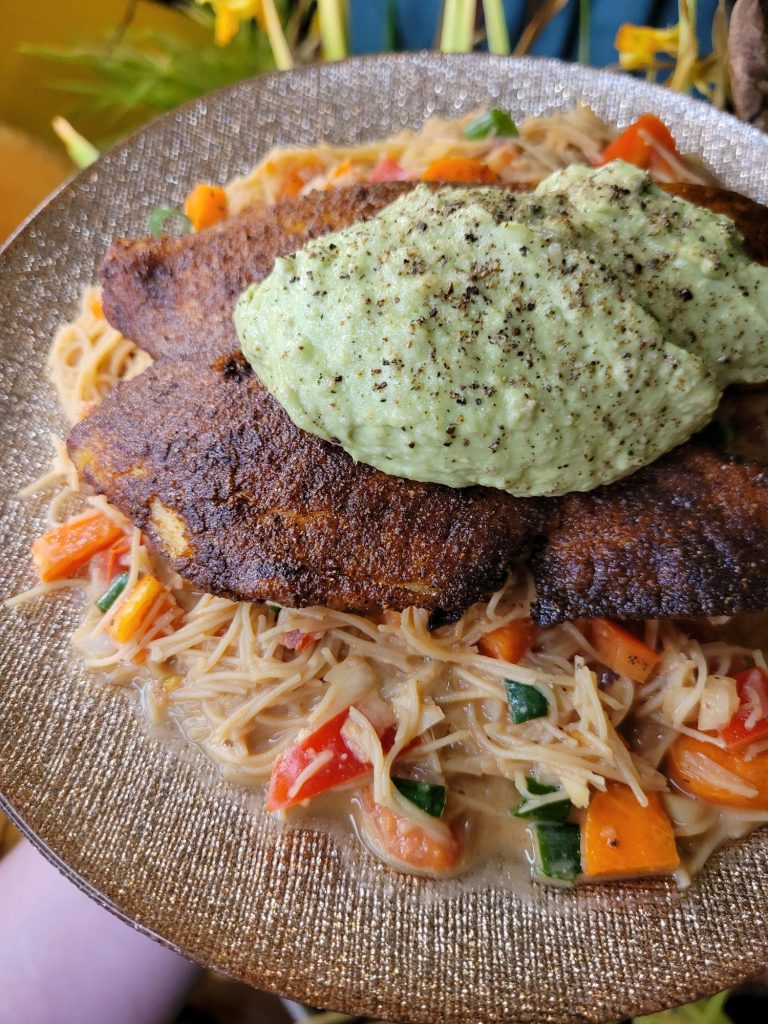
x: 681, y: 263
x: 539, y: 343
x: 498, y: 848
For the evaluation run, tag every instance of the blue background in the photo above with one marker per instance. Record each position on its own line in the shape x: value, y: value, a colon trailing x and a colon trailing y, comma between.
x: 417, y: 25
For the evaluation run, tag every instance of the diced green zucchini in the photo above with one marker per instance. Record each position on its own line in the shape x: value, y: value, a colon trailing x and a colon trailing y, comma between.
x: 536, y: 788
x: 525, y: 702
x: 493, y: 121
x: 113, y: 591
x: 558, y: 810
x: 557, y: 850
x: 428, y: 797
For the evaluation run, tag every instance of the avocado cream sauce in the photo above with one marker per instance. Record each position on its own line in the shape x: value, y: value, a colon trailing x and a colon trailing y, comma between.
x: 540, y: 343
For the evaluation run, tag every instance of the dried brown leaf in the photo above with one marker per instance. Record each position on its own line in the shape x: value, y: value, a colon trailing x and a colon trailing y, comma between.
x: 748, y: 60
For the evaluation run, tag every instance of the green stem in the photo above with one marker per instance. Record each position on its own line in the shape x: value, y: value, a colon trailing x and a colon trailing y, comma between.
x: 583, y: 31
x: 280, y: 49
x: 332, y: 29
x: 458, y: 30
x: 496, y: 26
x: 448, y: 30
x: 200, y: 15
x: 688, y: 47
x: 81, y: 152
x: 469, y: 9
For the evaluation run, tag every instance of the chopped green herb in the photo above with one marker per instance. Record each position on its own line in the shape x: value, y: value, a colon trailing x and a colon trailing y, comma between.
x: 557, y: 850
x: 557, y: 810
x: 492, y: 122
x: 274, y: 608
x: 113, y: 591
x: 525, y: 702
x: 536, y: 788
x: 428, y: 797
x: 161, y: 214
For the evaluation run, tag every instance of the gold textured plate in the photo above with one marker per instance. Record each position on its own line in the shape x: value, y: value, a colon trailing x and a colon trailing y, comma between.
x: 151, y: 831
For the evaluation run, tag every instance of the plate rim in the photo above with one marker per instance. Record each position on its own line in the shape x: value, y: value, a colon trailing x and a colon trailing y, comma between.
x: 62, y: 195
x: 588, y: 71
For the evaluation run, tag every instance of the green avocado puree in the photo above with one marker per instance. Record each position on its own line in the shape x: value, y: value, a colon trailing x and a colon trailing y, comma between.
x: 539, y: 343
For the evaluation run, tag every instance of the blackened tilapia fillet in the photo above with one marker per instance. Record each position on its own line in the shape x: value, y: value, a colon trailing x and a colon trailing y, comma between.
x: 244, y: 504
x: 685, y: 536
x: 175, y: 296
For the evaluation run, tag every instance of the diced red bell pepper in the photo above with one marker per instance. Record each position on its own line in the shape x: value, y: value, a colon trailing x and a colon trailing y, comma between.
x: 343, y: 767
x: 752, y: 687
x: 118, y: 558
x: 114, y: 560
x: 388, y: 169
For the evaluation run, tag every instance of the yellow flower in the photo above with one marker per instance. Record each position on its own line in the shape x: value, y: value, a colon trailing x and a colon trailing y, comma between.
x: 639, y: 45
x: 230, y: 14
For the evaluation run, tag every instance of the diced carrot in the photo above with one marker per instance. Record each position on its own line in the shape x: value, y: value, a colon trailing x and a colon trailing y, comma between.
x: 96, y: 307
x: 509, y: 642
x: 686, y: 766
x: 620, y: 651
x: 340, y: 170
x: 166, y: 605
x: 459, y: 168
x: 131, y: 616
x: 407, y: 842
x: 66, y: 549
x: 643, y: 144
x: 205, y: 205
x: 622, y: 838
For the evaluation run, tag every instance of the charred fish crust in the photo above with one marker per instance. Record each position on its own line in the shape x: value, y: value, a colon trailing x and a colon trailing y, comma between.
x: 685, y: 536
x: 270, y: 512
x: 174, y: 297
x: 234, y: 367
